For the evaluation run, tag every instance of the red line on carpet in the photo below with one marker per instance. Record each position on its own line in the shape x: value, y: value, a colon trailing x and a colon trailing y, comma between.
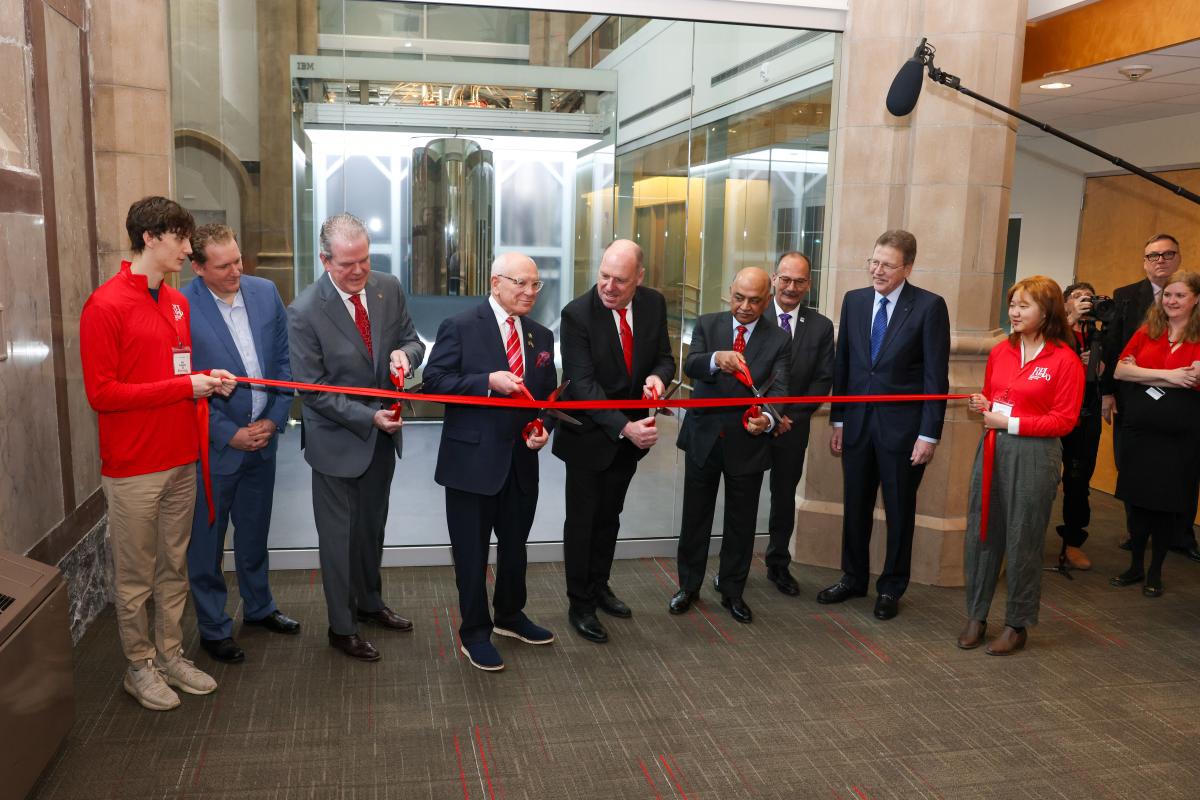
x: 312, y: 579
x: 713, y: 622
x: 658, y: 573
x: 455, y: 639
x: 437, y: 628
x: 860, y: 793
x: 371, y: 701
x: 861, y: 638
x: 537, y: 722
x: 462, y: 774
x: 1084, y: 624
x: 840, y: 634
x: 487, y: 736
x: 483, y: 757
x: 649, y: 780
x: 674, y: 779
x: 204, y: 744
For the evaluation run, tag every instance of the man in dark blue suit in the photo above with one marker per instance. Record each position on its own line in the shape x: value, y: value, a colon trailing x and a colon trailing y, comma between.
x: 239, y: 323
x: 488, y: 466
x: 893, y: 338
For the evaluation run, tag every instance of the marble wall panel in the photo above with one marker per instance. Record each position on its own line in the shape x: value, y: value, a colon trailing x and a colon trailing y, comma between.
x: 129, y: 43
x: 12, y: 21
x: 88, y: 572
x: 15, y: 104
x: 74, y: 242
x: 31, y: 499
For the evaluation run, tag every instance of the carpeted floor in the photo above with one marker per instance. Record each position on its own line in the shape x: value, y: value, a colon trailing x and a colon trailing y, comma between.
x: 808, y: 701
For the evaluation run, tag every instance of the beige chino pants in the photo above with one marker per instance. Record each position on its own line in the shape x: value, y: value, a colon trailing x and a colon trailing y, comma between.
x: 149, y: 525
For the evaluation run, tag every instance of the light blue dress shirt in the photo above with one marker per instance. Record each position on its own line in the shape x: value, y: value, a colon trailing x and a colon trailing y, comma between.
x: 238, y: 323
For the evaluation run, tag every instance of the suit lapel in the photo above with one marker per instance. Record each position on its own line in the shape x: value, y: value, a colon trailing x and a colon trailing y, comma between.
x: 206, y: 305
x: 799, y: 329
x: 378, y: 310
x: 904, y: 306
x: 258, y: 318
x: 339, y: 315
x: 491, y: 332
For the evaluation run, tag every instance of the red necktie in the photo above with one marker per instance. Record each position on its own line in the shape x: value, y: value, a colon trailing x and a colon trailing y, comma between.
x: 626, y: 340
x: 512, y: 347
x: 739, y: 344
x: 362, y: 323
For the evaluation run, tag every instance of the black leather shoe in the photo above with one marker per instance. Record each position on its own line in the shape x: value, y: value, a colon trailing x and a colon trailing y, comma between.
x: 587, y: 626
x: 783, y: 580
x: 738, y: 609
x: 887, y: 606
x: 1153, y: 589
x: 276, y: 621
x: 610, y: 604
x: 682, y: 601
x: 1193, y: 553
x: 1127, y: 578
x: 226, y: 650
x: 385, y: 617
x: 1126, y: 545
x: 840, y: 592
x: 354, y: 647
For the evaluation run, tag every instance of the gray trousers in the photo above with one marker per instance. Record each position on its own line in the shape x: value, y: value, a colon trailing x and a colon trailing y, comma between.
x: 1025, y: 479
x: 351, y: 514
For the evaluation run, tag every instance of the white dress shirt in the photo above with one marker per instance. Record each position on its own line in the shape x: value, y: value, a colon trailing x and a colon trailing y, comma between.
x: 238, y: 323
x: 502, y: 323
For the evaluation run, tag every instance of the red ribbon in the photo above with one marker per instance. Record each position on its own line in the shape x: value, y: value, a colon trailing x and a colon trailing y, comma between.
x: 985, y: 495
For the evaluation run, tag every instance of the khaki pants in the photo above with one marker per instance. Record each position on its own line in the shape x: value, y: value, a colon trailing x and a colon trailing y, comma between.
x: 149, y: 525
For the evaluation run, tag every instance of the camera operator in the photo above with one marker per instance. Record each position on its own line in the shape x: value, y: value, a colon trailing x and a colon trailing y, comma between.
x: 1080, y: 445
x: 1161, y: 257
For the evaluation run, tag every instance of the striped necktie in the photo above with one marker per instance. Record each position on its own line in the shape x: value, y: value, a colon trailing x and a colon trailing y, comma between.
x: 512, y: 348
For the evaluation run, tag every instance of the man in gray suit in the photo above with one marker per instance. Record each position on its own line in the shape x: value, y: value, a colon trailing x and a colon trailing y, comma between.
x: 351, y: 328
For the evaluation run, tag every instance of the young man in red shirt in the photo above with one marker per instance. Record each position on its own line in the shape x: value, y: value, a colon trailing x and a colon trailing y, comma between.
x: 136, y: 351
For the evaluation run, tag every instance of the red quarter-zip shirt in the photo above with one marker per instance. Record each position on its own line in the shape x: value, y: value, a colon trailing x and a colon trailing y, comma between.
x: 127, y: 343
x: 1045, y: 394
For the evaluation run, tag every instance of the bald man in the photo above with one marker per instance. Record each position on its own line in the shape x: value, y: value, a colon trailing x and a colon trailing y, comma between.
x: 614, y: 347
x: 722, y: 443
x: 489, y: 468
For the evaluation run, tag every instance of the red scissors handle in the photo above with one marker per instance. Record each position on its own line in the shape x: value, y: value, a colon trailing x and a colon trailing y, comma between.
x: 752, y: 411
x: 398, y: 382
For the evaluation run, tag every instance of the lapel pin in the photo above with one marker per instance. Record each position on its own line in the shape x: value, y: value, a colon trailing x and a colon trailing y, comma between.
x: 802, y: 319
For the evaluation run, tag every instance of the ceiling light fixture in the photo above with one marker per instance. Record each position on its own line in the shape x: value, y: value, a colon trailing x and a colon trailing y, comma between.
x: 1135, y: 72
x: 1055, y: 85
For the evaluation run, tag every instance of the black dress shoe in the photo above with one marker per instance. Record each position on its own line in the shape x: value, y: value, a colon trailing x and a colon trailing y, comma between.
x: 276, y: 621
x: 610, y: 604
x: 587, y: 626
x: 682, y: 601
x: 226, y: 650
x: 783, y: 580
x: 1126, y: 545
x: 1193, y: 553
x: 840, y: 592
x: 385, y: 617
x: 1127, y: 578
x: 887, y: 606
x: 354, y: 647
x: 738, y: 609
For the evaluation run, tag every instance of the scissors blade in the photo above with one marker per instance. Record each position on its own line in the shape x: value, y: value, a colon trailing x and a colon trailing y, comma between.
x: 762, y: 395
x: 554, y: 412
x: 557, y: 393
x: 666, y: 412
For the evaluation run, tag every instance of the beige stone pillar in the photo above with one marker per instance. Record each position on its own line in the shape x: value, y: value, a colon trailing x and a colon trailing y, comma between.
x: 944, y: 173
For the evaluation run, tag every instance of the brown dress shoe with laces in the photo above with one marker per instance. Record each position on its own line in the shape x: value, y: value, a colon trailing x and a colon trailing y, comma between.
x: 1008, y: 642
x: 972, y: 635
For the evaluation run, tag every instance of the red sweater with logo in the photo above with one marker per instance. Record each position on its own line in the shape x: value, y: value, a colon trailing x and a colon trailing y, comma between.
x: 127, y: 342
x: 1045, y: 394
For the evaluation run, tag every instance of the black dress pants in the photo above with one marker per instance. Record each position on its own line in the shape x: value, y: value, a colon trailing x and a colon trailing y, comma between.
x: 787, y: 465
x: 1079, y: 462
x: 700, y: 485
x: 595, y: 499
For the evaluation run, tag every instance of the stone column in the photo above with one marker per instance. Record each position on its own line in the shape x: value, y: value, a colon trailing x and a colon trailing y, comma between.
x: 944, y: 173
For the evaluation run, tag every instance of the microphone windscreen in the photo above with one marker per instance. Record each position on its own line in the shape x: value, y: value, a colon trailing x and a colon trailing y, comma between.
x: 905, y: 88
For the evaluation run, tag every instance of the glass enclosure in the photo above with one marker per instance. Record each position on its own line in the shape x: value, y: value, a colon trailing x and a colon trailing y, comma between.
x: 460, y: 133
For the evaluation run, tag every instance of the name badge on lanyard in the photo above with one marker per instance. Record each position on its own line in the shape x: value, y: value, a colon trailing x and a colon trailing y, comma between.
x: 182, y: 359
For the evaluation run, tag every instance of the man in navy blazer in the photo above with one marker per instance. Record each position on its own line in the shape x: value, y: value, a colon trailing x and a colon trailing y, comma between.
x: 487, y: 464
x: 893, y: 338
x: 238, y: 323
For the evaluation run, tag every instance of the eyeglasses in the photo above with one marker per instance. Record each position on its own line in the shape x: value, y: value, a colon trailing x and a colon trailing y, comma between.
x: 523, y: 284
x: 1165, y: 255
x: 874, y: 264
x: 785, y: 281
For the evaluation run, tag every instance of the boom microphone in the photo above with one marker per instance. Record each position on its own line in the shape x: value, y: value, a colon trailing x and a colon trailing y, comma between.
x: 906, y: 86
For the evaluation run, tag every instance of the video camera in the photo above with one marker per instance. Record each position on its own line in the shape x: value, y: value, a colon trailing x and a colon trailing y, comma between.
x: 1104, y: 310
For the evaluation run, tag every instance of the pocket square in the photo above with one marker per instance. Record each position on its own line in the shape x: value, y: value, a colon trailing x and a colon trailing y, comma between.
x: 543, y: 358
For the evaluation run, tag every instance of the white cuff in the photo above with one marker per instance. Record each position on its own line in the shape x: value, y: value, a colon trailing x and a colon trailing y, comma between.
x: 837, y: 424
x: 928, y: 439
x: 1014, y: 426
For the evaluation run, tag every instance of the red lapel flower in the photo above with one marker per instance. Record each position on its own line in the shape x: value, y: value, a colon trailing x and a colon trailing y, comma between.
x: 543, y: 358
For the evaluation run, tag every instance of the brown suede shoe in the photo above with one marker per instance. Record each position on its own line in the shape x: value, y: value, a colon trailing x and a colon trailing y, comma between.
x: 972, y: 635
x: 1078, y: 559
x: 1008, y: 642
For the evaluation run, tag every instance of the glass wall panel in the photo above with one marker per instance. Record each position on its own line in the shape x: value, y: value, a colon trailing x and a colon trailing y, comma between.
x: 445, y: 129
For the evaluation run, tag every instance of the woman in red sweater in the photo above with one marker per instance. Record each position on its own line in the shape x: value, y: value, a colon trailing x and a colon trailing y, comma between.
x: 1032, y: 391
x: 1159, y: 456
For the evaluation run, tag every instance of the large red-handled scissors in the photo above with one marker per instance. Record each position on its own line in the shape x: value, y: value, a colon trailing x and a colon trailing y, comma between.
x: 664, y: 410
x: 743, y: 377
x: 536, y: 426
x: 398, y: 382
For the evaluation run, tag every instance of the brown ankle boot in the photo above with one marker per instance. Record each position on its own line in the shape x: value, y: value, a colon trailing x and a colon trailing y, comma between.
x: 1008, y: 642
x: 972, y: 635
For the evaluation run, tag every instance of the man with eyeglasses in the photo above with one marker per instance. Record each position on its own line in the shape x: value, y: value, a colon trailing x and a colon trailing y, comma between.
x: 614, y: 347
x: 1161, y: 257
x: 893, y: 338
x: 811, y: 373
x: 488, y: 457
x: 351, y: 328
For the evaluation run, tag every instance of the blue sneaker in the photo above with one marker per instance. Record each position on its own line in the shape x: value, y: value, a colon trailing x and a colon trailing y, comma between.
x: 526, y: 631
x: 484, y: 656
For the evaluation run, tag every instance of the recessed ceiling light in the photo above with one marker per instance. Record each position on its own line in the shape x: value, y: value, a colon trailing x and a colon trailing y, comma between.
x: 1055, y: 85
